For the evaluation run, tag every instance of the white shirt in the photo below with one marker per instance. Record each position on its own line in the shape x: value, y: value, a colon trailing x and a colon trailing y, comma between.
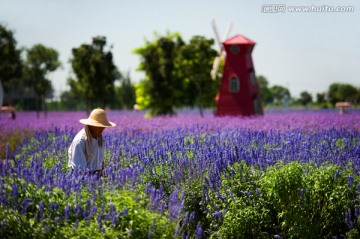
x: 79, y: 158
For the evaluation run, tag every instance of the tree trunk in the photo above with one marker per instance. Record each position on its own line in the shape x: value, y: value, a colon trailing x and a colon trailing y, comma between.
x: 200, y: 100
x: 37, y: 108
x: 45, y: 109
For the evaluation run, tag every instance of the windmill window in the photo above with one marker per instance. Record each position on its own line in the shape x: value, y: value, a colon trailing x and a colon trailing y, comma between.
x: 234, y: 49
x: 234, y: 84
x: 253, y: 78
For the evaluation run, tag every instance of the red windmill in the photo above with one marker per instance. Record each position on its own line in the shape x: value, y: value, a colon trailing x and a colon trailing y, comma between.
x: 239, y: 89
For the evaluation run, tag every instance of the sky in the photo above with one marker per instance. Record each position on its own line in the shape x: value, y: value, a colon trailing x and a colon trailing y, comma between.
x: 303, y: 49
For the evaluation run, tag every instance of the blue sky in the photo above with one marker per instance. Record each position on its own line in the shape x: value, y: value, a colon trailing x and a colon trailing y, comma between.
x: 298, y: 50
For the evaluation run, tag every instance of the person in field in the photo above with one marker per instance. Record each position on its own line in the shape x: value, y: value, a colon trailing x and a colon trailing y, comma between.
x: 86, y: 150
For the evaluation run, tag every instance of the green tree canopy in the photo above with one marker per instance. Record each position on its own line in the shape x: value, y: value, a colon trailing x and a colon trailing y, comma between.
x: 343, y: 92
x: 69, y: 101
x: 95, y: 74
x: 40, y: 61
x: 279, y: 94
x: 195, y: 61
x: 143, y: 98
x: 320, y: 98
x: 10, y: 60
x: 305, y: 98
x: 265, y: 92
x: 177, y: 74
x: 125, y: 93
x: 158, y: 63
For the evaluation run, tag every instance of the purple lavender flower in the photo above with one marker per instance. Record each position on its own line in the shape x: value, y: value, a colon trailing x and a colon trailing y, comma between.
x: 217, y: 214
x: 247, y: 193
x: 175, y: 205
x: 53, y: 206
x: 25, y: 205
x: 78, y: 210
x: 47, y: 228
x: 357, y: 212
x: 350, y: 180
x: 99, y: 221
x: 192, y: 216
x: 41, y: 210
x: 124, y: 212
x: 199, y: 231
x: 76, y: 224
x: 15, y: 192
x: 67, y: 212
x: 183, y: 149
x: 348, y: 219
x: 114, y: 219
x: 92, y: 213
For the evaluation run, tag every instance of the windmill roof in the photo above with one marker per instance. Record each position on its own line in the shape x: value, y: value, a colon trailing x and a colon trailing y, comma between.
x: 239, y: 39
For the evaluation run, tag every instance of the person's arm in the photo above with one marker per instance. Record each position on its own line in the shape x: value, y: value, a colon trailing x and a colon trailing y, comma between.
x: 77, y: 155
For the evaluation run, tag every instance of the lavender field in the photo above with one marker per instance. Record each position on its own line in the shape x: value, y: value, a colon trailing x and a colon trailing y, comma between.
x: 291, y: 174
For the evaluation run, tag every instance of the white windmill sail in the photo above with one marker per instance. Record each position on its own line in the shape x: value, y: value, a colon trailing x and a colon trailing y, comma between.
x: 221, y: 55
x: 215, y: 67
x: 1, y: 94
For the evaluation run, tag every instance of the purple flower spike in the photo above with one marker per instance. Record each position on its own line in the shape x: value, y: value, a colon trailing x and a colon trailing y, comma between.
x: 350, y: 180
x: 199, y: 231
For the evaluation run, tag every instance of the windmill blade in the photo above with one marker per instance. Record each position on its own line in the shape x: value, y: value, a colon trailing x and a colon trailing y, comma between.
x: 217, y: 35
x: 227, y: 33
x: 215, y: 67
x: 221, y: 55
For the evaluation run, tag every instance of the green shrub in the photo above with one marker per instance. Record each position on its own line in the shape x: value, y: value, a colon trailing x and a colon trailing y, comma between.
x: 310, y: 201
x: 294, y: 200
x: 246, y: 212
x: 44, y: 216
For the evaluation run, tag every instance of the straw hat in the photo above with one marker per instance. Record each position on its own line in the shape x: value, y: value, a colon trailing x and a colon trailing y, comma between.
x: 97, y: 118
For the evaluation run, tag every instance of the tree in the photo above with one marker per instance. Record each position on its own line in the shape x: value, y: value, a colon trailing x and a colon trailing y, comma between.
x: 40, y: 61
x: 68, y: 101
x: 158, y: 62
x: 320, y: 98
x: 95, y: 74
x: 125, y: 94
x: 265, y: 92
x: 342, y: 92
x: 195, y: 63
x: 10, y: 60
x: 143, y: 97
x: 279, y: 94
x: 305, y: 98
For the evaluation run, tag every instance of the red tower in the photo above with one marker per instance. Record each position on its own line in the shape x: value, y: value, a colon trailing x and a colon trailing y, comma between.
x: 239, y: 89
